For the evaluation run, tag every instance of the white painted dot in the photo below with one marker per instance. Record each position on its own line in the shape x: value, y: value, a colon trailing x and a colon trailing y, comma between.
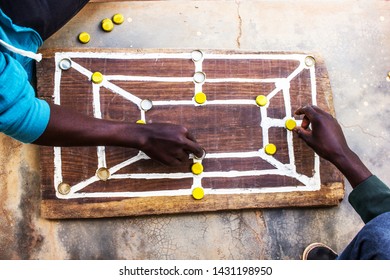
x: 65, y: 64
x: 146, y: 104
x: 199, y: 77
x: 129, y: 19
x: 382, y: 18
x: 197, y: 55
x: 365, y: 103
x: 199, y: 33
x: 309, y: 61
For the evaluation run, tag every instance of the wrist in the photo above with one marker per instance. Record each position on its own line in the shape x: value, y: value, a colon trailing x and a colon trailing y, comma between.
x: 126, y: 135
x: 344, y: 158
x: 352, y: 167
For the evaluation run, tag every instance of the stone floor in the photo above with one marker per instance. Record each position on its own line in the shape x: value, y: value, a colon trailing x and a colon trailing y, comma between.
x: 353, y: 38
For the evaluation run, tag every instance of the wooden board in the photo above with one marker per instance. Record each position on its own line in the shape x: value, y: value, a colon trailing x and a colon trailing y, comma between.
x: 231, y: 127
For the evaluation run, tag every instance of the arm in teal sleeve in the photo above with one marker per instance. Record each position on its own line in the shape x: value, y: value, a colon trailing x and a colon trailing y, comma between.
x: 370, y: 198
x: 22, y: 115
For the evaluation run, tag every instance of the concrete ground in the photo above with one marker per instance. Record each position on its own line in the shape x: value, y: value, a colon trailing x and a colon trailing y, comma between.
x: 353, y: 38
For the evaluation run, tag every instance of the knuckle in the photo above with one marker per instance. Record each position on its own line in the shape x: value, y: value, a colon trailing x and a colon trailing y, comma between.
x: 183, y: 130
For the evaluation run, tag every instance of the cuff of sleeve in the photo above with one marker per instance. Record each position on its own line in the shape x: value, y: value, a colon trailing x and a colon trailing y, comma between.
x: 370, y: 198
x: 34, y: 123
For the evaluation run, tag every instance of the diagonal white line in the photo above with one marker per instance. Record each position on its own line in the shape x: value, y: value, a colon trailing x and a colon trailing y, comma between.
x: 107, y: 84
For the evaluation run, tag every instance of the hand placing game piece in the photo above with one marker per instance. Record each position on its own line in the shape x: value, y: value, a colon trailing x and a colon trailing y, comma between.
x: 326, y: 138
x: 167, y: 143
x: 370, y: 197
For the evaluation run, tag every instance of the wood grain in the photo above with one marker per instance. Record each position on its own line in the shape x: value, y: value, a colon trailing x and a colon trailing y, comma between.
x: 218, y: 128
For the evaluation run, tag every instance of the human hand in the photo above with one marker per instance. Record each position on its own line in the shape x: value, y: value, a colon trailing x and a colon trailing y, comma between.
x: 167, y: 143
x: 325, y: 137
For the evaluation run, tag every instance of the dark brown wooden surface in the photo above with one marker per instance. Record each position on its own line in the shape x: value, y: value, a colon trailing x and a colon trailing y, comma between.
x: 218, y: 128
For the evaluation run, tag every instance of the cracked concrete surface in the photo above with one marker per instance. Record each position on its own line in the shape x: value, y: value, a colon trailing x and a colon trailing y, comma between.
x: 352, y: 36
x: 238, y: 40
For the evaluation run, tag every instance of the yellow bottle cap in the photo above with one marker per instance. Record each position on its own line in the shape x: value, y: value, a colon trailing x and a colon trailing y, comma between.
x: 118, y: 18
x: 270, y: 149
x: 84, y: 37
x: 261, y: 100
x: 141, y: 122
x: 200, y: 98
x: 290, y: 124
x: 107, y: 25
x: 97, y: 77
x: 197, y: 168
x: 198, y: 193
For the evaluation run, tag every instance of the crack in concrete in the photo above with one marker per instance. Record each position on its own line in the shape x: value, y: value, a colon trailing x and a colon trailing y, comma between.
x: 364, y: 131
x: 238, y: 40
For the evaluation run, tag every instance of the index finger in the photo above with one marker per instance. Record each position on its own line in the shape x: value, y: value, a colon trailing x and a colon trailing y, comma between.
x: 308, y: 110
x: 193, y: 146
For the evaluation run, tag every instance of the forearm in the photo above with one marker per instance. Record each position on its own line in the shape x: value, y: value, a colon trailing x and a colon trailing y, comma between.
x: 167, y: 143
x: 327, y: 139
x: 69, y: 128
x: 352, y: 167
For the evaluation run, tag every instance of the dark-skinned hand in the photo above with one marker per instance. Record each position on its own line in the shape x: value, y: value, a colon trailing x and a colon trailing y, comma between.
x: 324, y: 135
x: 167, y: 143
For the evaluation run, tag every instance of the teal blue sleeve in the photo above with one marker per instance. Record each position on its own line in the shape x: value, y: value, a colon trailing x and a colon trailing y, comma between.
x: 22, y: 115
x: 370, y: 198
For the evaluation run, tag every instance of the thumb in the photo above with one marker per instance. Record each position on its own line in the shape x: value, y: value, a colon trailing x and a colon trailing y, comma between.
x: 304, y: 134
